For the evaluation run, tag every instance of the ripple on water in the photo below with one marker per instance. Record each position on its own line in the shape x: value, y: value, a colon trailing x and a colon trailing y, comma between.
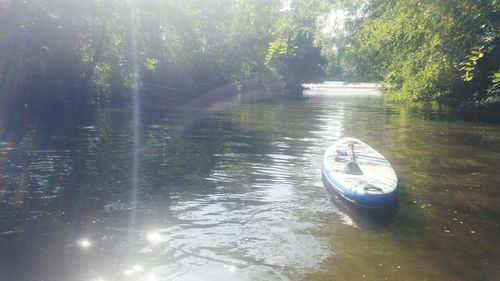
x: 218, y: 236
x: 239, y: 196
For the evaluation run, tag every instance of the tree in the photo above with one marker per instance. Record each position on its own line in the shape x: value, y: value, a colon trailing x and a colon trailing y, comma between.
x: 418, y: 47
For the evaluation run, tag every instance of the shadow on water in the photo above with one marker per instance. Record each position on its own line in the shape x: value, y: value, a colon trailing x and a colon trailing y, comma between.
x: 366, y: 218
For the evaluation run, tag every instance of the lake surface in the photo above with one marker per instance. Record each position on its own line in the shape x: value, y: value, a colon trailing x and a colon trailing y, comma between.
x: 235, y: 193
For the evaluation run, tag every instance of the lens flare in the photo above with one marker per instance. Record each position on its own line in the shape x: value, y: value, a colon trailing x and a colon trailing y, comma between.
x: 154, y: 237
x: 84, y: 243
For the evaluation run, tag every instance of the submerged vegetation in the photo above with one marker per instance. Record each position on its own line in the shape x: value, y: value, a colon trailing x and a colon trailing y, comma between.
x: 67, y: 53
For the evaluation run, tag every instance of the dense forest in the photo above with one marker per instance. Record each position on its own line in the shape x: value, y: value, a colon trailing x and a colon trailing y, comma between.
x: 69, y: 53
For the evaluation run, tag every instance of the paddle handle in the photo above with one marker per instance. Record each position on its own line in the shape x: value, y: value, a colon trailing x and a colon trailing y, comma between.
x: 351, y: 145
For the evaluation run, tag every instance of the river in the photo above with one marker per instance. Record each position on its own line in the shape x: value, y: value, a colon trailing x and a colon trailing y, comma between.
x: 235, y: 193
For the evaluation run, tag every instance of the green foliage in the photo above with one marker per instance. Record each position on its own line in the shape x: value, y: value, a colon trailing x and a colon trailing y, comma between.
x: 296, y: 53
x: 495, y: 78
x: 405, y: 46
x: 68, y: 50
x: 418, y: 47
x: 469, y: 65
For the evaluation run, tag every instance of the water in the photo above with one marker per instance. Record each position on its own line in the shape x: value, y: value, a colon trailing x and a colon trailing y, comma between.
x: 236, y: 194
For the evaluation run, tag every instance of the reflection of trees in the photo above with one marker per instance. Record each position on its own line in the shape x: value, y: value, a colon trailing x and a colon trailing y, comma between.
x: 178, y: 161
x: 61, y: 179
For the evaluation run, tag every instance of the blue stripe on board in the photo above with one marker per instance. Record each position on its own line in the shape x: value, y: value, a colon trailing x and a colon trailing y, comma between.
x: 366, y: 200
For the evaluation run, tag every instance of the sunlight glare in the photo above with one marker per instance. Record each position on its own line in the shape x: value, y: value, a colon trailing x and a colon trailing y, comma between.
x: 230, y: 268
x: 286, y: 5
x: 136, y: 268
x: 154, y: 237
x: 84, y: 243
x: 136, y: 139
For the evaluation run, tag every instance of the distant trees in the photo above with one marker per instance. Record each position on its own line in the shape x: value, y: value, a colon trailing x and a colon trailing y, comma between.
x: 420, y: 50
x: 64, y: 51
x: 296, y: 51
x: 72, y: 52
x: 426, y: 50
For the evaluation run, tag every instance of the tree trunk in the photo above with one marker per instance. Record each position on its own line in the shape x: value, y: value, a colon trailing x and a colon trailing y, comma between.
x: 85, y: 83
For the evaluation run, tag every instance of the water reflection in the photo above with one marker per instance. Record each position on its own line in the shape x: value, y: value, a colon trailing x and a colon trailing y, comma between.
x: 238, y: 195
x: 154, y: 237
x: 135, y: 269
x: 359, y: 217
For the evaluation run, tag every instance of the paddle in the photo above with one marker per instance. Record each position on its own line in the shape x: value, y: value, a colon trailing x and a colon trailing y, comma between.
x: 352, y: 167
